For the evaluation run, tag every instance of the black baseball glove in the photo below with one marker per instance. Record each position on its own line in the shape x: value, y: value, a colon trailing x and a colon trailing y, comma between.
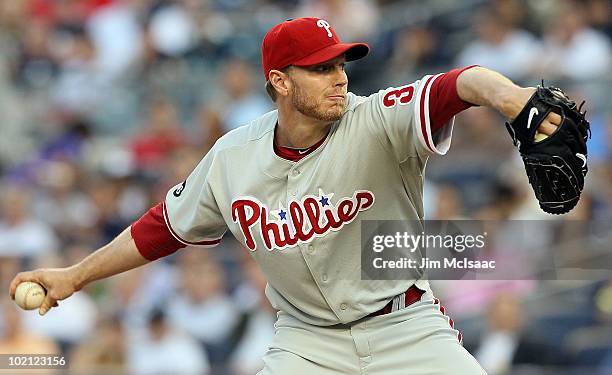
x: 556, y: 166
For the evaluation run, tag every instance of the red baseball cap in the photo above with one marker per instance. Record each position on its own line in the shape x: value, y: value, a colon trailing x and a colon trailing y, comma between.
x: 305, y: 41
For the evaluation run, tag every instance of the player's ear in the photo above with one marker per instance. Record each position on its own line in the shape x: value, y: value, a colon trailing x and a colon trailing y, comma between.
x: 280, y: 81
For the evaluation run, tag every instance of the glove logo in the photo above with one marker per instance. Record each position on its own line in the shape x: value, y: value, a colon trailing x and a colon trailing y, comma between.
x: 532, y: 112
x: 583, y: 158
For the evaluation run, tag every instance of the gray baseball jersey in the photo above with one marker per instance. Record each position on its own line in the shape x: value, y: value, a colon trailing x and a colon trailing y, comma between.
x: 300, y: 220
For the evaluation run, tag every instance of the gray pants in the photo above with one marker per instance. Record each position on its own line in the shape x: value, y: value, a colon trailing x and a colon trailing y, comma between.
x: 417, y: 340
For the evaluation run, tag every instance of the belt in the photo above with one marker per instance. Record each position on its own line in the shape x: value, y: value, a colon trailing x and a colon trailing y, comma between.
x: 410, y: 296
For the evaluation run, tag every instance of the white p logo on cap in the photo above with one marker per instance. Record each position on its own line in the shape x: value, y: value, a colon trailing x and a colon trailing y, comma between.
x: 324, y: 24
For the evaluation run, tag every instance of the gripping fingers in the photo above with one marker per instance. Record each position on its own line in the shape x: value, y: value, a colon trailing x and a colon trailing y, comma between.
x: 47, y: 304
x: 547, y: 127
x: 20, y: 277
x: 13, y: 287
x: 550, y: 124
x: 554, y: 118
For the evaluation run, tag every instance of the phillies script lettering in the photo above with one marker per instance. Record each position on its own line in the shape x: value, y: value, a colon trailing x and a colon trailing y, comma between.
x: 304, y: 219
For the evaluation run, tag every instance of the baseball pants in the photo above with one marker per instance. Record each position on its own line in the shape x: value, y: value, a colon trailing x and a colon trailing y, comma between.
x: 416, y: 340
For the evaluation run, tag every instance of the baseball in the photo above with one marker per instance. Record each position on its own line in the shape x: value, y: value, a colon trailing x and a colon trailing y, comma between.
x: 29, y: 295
x: 540, y: 137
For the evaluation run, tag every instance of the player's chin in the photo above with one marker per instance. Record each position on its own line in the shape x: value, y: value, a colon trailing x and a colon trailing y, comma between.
x: 335, y: 113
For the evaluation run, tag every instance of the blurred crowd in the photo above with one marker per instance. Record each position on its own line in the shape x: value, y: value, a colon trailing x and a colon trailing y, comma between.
x: 106, y: 104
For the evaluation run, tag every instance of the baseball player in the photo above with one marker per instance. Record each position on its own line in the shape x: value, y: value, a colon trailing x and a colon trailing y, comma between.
x: 293, y: 186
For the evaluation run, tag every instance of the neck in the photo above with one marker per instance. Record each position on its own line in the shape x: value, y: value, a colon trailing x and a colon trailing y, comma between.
x: 299, y: 131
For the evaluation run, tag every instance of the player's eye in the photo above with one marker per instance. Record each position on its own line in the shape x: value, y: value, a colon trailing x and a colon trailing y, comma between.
x: 328, y: 68
x: 322, y: 68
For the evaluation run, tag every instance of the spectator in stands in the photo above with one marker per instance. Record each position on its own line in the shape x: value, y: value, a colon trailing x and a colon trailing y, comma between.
x: 159, y: 136
x: 239, y: 101
x: 499, y: 46
x: 353, y: 19
x: 15, y: 339
x: 414, y: 53
x: 134, y: 295
x: 117, y: 36
x: 448, y: 204
x: 35, y: 65
x: 257, y: 325
x: 590, y: 345
x: 171, y: 29
x: 62, y: 203
x: 600, y: 16
x: 105, y: 194
x: 162, y: 349
x: 504, y: 343
x: 573, y: 49
x: 22, y: 235
x: 202, y: 307
x: 102, y: 352
x: 79, y: 87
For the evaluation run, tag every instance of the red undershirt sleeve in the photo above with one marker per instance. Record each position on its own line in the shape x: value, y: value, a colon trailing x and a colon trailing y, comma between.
x: 152, y: 236
x: 444, y: 102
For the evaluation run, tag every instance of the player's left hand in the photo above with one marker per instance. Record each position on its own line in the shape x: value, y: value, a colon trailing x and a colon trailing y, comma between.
x: 556, y: 165
x: 549, y: 125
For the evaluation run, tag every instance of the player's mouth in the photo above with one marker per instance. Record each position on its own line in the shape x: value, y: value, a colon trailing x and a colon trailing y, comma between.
x: 337, y: 97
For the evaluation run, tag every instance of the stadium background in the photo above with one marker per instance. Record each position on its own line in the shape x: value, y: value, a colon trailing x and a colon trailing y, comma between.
x: 106, y: 104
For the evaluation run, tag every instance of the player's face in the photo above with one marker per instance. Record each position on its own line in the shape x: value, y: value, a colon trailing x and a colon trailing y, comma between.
x: 319, y: 91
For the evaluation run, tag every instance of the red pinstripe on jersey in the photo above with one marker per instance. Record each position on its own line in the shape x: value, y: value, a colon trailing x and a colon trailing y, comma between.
x: 450, y: 320
x: 424, y: 118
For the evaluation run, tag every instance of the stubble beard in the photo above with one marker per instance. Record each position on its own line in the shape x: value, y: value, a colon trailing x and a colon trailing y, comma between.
x: 308, y: 106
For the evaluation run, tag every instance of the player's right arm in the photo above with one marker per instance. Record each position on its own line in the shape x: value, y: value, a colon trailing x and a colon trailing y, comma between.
x: 119, y: 255
x: 188, y: 216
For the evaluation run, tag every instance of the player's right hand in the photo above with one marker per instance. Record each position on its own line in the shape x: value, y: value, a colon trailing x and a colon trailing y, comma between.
x: 60, y: 283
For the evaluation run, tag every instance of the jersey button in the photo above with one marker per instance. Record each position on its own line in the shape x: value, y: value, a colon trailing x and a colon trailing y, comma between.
x: 296, y: 172
x: 343, y: 306
x: 310, y: 249
x: 324, y: 277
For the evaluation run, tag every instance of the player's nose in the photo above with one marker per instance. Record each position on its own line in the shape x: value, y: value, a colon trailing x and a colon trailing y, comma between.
x: 340, y: 78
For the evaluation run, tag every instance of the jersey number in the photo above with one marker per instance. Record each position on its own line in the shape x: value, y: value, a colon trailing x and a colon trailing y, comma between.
x: 403, y: 94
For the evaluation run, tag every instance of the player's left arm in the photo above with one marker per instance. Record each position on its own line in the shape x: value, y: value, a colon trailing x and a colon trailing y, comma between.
x: 484, y: 87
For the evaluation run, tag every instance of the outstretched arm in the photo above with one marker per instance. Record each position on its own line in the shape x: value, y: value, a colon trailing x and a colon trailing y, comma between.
x: 481, y: 86
x: 120, y: 255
